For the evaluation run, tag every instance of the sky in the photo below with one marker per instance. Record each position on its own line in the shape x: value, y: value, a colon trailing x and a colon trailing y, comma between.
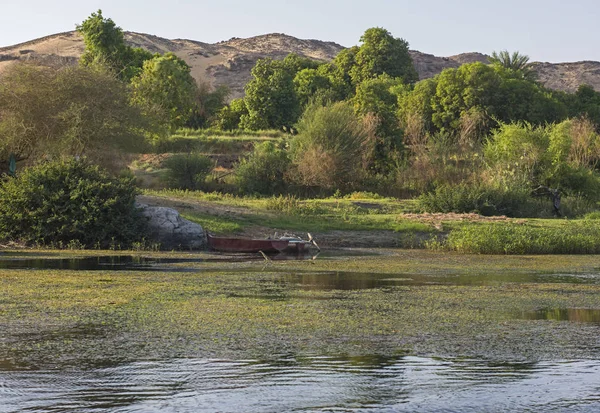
x: 545, y: 30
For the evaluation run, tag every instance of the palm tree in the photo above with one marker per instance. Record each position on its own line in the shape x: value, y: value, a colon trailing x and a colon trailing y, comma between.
x: 516, y: 62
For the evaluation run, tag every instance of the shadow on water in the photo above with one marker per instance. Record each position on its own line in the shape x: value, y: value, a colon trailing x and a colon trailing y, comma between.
x: 340, y: 280
x: 310, y: 383
x: 24, y: 261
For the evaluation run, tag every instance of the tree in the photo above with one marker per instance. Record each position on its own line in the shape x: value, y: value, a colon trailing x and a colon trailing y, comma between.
x: 458, y: 91
x: 166, y: 89
x: 515, y: 63
x: 229, y: 117
x: 381, y: 53
x: 70, y: 111
x: 415, y: 112
x: 379, y: 97
x: 310, y: 84
x: 270, y: 95
x: 105, y: 45
x: 207, y: 106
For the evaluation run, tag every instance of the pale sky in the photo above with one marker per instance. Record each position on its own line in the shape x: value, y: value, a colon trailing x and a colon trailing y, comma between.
x: 546, y: 30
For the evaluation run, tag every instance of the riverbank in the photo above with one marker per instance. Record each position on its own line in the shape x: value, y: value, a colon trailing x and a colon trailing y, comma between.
x: 364, y: 220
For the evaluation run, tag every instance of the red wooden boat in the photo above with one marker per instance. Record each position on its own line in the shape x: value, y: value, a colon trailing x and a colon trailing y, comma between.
x: 246, y: 244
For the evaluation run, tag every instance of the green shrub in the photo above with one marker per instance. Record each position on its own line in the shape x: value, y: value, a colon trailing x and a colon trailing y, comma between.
x: 331, y: 152
x: 187, y: 171
x: 592, y: 215
x: 467, y: 198
x: 264, y: 171
x: 508, y: 238
x: 69, y: 203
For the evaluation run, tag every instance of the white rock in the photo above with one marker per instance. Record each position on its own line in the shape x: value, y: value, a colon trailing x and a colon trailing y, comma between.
x: 170, y: 230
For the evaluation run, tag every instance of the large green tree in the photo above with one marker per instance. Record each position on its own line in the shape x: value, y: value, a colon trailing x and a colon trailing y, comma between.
x: 105, y: 45
x: 378, y: 98
x: 166, y: 89
x: 271, y: 98
x: 381, y: 53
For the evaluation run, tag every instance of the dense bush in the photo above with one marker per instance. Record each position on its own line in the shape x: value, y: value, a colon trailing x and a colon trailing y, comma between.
x: 333, y: 147
x: 69, y: 202
x: 187, y: 171
x: 466, y: 198
x: 264, y: 171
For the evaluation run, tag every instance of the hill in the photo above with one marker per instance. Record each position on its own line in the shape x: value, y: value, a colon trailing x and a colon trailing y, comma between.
x: 229, y: 62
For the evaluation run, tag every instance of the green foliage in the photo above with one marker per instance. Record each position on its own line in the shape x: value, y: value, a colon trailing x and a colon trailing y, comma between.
x: 311, y: 85
x: 270, y: 98
x: 585, y: 103
x: 459, y: 90
x: 560, y: 156
x: 516, y: 63
x: 333, y: 147
x: 166, y: 89
x: 379, y: 97
x: 48, y: 112
x: 466, y: 103
x: 509, y: 238
x: 264, y: 171
x: 291, y: 205
x: 484, y: 200
x: 381, y: 53
x: 343, y: 64
x: 105, y: 45
x: 229, y: 117
x: 208, y: 105
x: 187, y: 171
x: 519, y: 150
x: 67, y: 203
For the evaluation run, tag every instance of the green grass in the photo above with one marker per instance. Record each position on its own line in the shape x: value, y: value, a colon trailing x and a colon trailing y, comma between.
x: 286, y: 213
x: 213, y: 141
x: 533, y: 237
x: 216, y: 224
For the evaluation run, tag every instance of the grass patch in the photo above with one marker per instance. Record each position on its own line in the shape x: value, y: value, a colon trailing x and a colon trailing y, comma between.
x: 216, y: 224
x: 562, y: 237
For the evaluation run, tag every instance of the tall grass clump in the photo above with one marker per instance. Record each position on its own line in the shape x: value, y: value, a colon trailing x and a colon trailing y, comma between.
x: 512, y: 238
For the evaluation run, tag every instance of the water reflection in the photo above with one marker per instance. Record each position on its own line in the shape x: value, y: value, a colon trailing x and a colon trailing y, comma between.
x: 341, y: 280
x: 580, y: 315
x: 403, y: 383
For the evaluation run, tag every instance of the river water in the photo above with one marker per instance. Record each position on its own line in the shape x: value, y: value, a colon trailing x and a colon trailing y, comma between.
x: 312, y: 382
x: 309, y: 384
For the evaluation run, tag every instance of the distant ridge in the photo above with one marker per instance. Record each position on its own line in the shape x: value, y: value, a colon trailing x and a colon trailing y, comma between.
x: 229, y: 62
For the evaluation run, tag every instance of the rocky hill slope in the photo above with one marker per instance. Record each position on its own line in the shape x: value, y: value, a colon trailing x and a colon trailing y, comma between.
x: 229, y: 62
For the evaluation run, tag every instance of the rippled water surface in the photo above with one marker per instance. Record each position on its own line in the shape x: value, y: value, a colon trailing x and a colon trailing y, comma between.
x: 403, y: 384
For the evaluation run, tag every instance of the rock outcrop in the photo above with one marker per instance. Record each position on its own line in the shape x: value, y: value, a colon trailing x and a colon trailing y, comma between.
x: 172, y: 231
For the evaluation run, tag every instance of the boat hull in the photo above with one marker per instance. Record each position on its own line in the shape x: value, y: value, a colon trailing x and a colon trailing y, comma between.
x: 246, y: 245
